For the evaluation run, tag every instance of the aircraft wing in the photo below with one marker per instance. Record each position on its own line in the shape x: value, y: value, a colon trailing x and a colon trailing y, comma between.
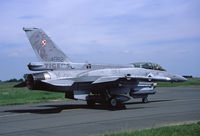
x: 21, y: 84
x: 106, y: 79
x: 59, y: 82
x: 115, y: 78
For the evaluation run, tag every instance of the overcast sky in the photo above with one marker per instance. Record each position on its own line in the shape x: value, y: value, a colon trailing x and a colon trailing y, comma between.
x: 166, y: 32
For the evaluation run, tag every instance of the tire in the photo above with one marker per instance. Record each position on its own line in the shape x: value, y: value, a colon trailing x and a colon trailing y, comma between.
x: 145, y: 100
x: 113, y: 102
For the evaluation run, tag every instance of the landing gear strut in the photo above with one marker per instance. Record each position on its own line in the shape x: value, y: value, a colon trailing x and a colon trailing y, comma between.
x: 145, y: 100
x: 90, y: 103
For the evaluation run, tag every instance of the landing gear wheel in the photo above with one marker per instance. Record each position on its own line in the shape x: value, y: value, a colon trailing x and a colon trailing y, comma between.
x: 113, y: 102
x: 90, y: 103
x: 145, y: 100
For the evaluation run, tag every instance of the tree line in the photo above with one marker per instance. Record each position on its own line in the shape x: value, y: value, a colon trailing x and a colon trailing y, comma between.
x: 13, y: 80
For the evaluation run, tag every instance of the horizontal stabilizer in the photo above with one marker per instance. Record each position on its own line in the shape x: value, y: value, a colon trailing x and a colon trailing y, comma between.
x: 22, y: 84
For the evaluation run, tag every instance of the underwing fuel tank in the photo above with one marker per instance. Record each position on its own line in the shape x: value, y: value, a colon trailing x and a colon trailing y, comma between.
x: 143, y: 89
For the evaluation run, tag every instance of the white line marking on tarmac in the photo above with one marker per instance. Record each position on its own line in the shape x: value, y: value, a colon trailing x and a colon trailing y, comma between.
x: 17, y: 114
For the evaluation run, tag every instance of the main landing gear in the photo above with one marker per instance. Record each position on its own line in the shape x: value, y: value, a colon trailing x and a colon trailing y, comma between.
x: 113, y: 102
x: 105, y: 99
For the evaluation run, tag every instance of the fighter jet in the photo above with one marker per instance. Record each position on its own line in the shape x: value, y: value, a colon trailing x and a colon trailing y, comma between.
x: 95, y: 83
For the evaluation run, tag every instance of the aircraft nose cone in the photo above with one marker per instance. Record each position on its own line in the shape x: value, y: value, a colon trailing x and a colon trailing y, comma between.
x: 181, y: 79
x: 177, y: 78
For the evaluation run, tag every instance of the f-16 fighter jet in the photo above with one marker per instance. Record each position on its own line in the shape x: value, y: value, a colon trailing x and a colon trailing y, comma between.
x: 95, y: 83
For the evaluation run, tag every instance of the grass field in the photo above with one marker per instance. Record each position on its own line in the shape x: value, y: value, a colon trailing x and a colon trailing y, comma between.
x: 10, y: 95
x: 179, y: 130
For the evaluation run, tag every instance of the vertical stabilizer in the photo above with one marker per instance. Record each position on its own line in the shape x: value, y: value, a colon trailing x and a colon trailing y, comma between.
x: 45, y: 49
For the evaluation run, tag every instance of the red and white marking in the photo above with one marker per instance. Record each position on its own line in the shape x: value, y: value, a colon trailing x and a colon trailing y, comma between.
x: 44, y: 42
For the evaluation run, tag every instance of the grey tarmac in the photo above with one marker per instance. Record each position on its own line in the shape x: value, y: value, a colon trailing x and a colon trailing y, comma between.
x: 169, y: 106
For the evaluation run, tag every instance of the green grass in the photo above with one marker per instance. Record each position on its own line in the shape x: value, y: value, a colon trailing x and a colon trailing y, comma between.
x: 190, y: 82
x: 10, y: 95
x: 179, y: 130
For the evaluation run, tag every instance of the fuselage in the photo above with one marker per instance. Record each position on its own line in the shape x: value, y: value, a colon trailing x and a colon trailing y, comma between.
x: 88, y: 76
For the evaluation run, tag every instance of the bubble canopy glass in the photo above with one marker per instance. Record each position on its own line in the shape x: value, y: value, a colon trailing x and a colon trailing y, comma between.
x: 148, y: 65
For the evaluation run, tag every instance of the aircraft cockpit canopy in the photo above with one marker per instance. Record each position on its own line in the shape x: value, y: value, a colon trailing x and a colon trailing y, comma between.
x: 148, y: 65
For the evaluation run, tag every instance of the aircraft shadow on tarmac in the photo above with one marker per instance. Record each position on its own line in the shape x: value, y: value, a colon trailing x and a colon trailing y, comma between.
x: 52, y: 109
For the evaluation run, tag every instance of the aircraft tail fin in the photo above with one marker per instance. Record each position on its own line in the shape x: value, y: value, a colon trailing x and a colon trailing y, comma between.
x: 44, y: 48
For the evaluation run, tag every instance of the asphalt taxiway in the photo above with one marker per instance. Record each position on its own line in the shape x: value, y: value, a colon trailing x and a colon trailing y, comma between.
x: 168, y: 106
